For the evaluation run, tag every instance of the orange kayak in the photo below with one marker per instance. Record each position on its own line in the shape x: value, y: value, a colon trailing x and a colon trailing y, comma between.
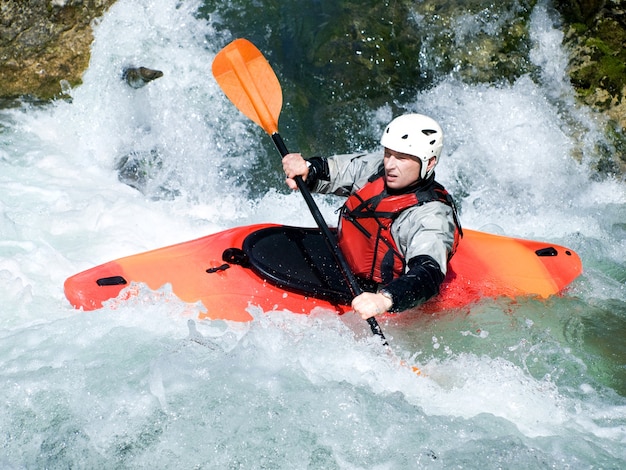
x: 278, y: 267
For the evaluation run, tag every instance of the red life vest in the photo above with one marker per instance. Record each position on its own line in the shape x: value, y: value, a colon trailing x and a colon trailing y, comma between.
x: 364, y: 234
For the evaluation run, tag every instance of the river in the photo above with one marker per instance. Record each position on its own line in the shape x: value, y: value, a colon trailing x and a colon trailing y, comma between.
x: 522, y: 383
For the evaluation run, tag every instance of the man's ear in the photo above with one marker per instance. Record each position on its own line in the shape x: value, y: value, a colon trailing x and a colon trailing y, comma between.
x: 431, y: 163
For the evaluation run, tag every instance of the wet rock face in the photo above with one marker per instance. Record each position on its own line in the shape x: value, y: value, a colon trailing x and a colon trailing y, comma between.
x: 138, y: 77
x: 44, y: 42
x: 595, y: 34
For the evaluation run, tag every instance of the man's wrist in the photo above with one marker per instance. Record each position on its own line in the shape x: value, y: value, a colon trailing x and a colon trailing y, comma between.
x: 388, y: 296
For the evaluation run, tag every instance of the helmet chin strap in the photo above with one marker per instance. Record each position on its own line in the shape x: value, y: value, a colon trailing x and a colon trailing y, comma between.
x: 430, y: 167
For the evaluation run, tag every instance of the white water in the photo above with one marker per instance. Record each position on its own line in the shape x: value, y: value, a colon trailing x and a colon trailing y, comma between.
x: 144, y: 385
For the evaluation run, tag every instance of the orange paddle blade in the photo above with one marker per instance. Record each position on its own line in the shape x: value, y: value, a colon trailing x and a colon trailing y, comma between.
x: 248, y: 80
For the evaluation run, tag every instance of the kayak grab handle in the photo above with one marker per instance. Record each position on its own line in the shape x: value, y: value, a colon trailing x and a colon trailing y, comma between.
x: 549, y: 251
x: 111, y: 281
x: 223, y: 267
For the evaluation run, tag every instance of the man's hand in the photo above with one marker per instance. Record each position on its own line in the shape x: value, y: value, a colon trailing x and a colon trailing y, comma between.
x: 294, y: 165
x: 369, y: 304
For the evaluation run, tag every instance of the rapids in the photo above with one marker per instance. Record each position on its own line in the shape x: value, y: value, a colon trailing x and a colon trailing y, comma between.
x: 504, y: 384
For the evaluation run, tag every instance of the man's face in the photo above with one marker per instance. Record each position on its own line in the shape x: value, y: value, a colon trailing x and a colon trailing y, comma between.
x: 401, y: 169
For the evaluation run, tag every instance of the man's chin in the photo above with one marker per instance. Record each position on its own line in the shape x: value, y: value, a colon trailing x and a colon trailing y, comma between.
x: 391, y: 182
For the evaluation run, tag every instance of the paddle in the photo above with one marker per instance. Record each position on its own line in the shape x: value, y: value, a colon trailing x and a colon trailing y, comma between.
x: 249, y: 81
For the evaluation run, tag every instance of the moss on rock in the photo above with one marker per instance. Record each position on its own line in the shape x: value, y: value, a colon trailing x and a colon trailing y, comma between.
x: 595, y: 37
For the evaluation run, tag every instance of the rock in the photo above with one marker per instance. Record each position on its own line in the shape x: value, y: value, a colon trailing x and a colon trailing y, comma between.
x: 138, y: 77
x: 42, y: 43
x: 142, y: 170
x: 595, y: 35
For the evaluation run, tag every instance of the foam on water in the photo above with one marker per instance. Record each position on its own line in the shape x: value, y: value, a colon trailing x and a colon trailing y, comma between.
x: 145, y: 384
x: 138, y: 386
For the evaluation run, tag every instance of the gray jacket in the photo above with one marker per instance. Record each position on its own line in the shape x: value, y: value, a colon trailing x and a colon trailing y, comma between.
x: 421, y: 230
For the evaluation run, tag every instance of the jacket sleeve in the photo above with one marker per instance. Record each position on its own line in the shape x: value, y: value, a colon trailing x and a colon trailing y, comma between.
x: 417, y: 285
x: 341, y: 174
x: 425, y: 236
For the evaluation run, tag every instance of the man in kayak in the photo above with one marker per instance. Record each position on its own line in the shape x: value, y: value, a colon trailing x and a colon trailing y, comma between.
x: 398, y: 227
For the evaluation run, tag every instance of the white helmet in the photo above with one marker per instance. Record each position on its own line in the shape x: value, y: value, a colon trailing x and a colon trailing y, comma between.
x: 416, y: 135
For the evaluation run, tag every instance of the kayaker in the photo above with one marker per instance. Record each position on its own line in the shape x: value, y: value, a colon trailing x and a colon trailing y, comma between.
x: 398, y: 227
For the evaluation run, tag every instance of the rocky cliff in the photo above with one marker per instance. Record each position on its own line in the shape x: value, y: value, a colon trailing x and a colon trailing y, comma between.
x: 44, y: 42
x: 595, y: 35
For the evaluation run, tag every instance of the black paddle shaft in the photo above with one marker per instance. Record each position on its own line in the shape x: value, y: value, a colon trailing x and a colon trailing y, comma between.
x: 329, y: 237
